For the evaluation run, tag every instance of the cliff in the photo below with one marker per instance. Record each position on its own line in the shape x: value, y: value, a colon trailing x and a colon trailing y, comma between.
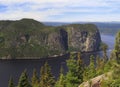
x: 84, y: 38
x: 30, y: 38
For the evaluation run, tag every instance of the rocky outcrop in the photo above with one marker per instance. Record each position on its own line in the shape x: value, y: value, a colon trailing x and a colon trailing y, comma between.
x: 96, y: 81
x: 29, y: 38
x: 82, y: 39
x: 58, y: 40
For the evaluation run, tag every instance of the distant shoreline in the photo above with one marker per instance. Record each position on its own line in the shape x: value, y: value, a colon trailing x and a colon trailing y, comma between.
x: 49, y: 57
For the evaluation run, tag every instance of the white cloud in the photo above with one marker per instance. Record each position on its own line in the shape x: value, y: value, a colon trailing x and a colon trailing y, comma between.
x: 91, y: 10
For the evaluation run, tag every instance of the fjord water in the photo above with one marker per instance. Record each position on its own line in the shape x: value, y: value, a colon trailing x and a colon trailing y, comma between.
x: 15, y: 67
x: 109, y: 40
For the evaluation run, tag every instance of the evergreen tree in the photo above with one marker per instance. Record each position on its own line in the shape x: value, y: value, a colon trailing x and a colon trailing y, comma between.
x: 99, y: 65
x: 115, y: 81
x: 112, y: 55
x: 115, y: 76
x: 71, y: 80
x: 117, y: 47
x: 86, y: 73
x: 92, y: 71
x: 47, y: 79
x: 79, y: 68
x: 11, y: 83
x: 61, y: 80
x: 98, y: 62
x: 35, y: 79
x: 71, y: 76
x: 104, y: 48
x: 42, y: 77
x: 72, y: 63
x: 23, y: 80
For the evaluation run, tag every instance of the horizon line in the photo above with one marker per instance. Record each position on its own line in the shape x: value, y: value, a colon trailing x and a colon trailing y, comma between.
x: 59, y: 21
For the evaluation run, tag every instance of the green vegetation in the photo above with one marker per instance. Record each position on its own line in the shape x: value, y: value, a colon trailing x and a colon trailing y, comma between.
x: 11, y: 83
x: 107, y: 69
x: 35, y: 79
x: 27, y: 38
x: 104, y: 48
x: 117, y: 47
x: 46, y: 79
x: 61, y: 80
x: 23, y: 41
x: 83, y: 27
x: 74, y: 76
x: 91, y: 68
x: 77, y: 72
x: 23, y: 80
x: 114, y: 80
x: 24, y: 38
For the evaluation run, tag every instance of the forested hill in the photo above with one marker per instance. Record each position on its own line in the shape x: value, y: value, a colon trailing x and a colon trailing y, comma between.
x: 30, y: 38
x: 105, y: 27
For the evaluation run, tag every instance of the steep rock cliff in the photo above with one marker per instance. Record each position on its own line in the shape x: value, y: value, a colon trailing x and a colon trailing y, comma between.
x: 29, y: 38
x: 83, y: 38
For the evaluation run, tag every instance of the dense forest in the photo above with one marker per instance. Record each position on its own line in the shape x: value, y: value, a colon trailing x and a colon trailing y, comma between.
x: 30, y: 39
x: 78, y: 74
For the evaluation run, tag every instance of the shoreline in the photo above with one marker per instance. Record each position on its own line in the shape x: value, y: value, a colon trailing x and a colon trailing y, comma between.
x: 49, y: 57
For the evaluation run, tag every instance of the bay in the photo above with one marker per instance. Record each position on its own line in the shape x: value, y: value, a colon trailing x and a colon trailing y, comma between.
x: 14, y: 68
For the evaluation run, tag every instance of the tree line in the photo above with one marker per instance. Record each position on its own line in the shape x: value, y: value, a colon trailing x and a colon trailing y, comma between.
x: 77, y: 71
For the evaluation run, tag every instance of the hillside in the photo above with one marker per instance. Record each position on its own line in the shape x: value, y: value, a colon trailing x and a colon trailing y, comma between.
x: 28, y: 38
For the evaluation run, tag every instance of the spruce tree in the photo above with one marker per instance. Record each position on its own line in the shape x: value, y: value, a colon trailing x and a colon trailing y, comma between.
x: 61, y: 81
x: 117, y: 47
x: 47, y: 79
x: 11, y: 83
x: 99, y: 65
x: 72, y: 63
x: 71, y: 80
x: 79, y: 68
x: 86, y: 73
x: 104, y: 48
x: 35, y: 79
x: 23, y: 80
x: 71, y: 76
x: 92, y: 71
x: 42, y: 77
x: 116, y: 67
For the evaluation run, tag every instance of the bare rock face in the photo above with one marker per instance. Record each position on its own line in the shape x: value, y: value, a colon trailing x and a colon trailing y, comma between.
x: 82, y: 39
x: 93, y: 42
x: 58, y: 40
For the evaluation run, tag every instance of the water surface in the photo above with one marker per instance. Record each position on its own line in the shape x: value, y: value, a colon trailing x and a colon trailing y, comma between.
x: 15, y: 67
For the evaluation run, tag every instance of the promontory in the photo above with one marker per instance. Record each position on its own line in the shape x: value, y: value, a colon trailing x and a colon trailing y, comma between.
x: 30, y: 38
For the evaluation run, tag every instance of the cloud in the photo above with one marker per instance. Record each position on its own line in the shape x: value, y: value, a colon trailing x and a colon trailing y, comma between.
x: 60, y: 10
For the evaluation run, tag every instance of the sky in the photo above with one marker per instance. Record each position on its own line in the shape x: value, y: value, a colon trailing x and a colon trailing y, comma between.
x: 61, y: 10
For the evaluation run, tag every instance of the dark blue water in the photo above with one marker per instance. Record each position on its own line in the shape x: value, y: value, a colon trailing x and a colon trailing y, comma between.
x: 15, y: 67
x: 109, y: 40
